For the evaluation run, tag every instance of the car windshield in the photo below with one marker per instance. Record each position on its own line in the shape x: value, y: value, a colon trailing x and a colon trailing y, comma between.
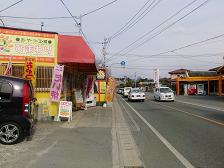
x: 165, y: 90
x: 136, y: 90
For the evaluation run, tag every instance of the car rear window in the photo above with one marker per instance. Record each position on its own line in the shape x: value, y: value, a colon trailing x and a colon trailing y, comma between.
x: 5, y: 91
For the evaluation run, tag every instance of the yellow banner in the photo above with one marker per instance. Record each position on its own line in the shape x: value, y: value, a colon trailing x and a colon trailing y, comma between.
x: 29, y: 69
x: 20, y: 44
x: 103, y: 87
x: 110, y: 89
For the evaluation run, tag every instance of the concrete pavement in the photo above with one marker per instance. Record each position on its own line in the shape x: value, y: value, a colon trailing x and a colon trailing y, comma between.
x: 98, y: 137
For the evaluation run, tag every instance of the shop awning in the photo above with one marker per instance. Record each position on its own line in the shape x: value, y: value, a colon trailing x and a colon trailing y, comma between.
x: 74, y: 50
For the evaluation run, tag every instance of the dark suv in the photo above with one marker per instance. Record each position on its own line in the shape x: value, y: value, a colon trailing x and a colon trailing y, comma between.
x: 16, y: 97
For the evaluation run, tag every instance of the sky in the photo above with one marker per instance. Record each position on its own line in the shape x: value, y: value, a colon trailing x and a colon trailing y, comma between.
x: 160, y: 33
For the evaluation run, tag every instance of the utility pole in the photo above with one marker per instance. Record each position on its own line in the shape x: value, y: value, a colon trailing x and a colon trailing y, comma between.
x: 135, y: 79
x: 80, y: 24
x: 42, y: 25
x: 3, y: 24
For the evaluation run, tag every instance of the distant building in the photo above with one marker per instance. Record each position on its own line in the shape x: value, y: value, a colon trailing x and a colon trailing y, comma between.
x: 209, y: 82
x: 179, y: 73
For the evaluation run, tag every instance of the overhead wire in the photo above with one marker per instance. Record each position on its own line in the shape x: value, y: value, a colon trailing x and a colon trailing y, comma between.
x: 173, y: 55
x: 185, y: 46
x: 166, y: 28
x: 130, y: 24
x: 58, y: 17
x: 95, y: 10
x: 10, y: 6
x: 165, y: 21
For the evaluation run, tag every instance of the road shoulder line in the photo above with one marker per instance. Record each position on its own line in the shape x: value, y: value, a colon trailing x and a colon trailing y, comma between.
x: 129, y: 156
x: 199, y: 105
x: 178, y: 155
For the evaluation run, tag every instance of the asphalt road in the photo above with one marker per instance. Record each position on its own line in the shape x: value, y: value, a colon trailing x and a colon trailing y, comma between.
x: 186, y: 133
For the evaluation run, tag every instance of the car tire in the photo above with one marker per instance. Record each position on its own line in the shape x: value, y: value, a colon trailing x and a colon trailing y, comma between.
x: 143, y: 100
x: 159, y: 99
x: 10, y: 133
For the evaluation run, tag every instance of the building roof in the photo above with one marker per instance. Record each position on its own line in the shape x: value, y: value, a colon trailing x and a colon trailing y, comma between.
x: 21, y: 29
x: 73, y: 49
x: 202, y: 73
x: 179, y: 71
x: 218, y: 69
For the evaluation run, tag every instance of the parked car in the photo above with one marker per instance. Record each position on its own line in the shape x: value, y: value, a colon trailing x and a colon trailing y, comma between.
x: 16, y: 97
x: 136, y: 94
x: 126, y: 91
x: 164, y: 94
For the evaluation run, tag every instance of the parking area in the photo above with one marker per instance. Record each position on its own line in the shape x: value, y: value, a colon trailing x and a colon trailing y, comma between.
x: 11, y: 153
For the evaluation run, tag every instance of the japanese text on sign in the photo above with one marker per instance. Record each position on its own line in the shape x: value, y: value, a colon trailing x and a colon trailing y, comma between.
x: 65, y: 110
x: 29, y: 69
x: 56, y: 85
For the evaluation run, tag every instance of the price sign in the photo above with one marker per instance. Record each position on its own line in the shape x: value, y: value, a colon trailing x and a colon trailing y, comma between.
x: 65, y: 110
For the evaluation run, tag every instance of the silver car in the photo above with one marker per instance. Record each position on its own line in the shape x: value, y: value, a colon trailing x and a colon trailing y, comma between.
x: 164, y: 94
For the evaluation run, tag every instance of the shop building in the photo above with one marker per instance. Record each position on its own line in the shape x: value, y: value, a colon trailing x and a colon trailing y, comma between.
x: 201, y: 83
x: 45, y: 50
x: 79, y: 71
x: 16, y: 45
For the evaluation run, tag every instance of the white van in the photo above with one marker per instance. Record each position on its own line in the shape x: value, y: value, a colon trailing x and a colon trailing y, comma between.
x: 126, y: 91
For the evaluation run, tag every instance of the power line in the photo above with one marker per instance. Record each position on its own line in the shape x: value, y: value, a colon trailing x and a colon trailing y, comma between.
x: 39, y: 18
x: 186, y: 46
x: 166, y: 28
x: 166, y: 20
x: 171, y: 55
x: 74, y: 20
x: 95, y: 10
x: 130, y: 24
x: 10, y: 6
x: 79, y: 24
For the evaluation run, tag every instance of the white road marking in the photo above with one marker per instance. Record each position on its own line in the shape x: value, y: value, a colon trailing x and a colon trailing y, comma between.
x: 178, y: 155
x: 194, y: 104
x: 195, y: 115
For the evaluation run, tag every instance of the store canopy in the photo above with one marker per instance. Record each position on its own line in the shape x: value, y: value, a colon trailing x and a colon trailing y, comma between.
x: 73, y: 50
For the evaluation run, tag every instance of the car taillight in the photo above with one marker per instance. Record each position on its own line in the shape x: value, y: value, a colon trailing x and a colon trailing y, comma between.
x: 26, y: 101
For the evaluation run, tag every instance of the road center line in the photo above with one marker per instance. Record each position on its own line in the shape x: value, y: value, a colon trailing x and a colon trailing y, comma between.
x: 194, y: 104
x: 195, y: 115
x: 178, y: 155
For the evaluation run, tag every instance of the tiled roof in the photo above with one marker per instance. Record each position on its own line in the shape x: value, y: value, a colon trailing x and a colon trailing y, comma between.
x: 179, y: 71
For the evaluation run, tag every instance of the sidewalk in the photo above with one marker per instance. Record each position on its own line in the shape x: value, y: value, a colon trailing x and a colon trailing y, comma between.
x: 96, y: 138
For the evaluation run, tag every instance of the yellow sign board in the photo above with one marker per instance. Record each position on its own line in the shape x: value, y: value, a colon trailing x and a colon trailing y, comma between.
x: 110, y: 89
x: 29, y: 69
x: 18, y: 44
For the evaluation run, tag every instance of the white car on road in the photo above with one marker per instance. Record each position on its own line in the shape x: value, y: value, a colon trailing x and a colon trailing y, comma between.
x: 126, y: 91
x: 136, y: 94
x: 164, y: 94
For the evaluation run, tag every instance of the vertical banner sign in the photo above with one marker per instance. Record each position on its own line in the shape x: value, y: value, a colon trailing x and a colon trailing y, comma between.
x: 65, y: 110
x: 156, y: 77
x: 56, y: 84
x: 110, y: 90
x: 29, y: 69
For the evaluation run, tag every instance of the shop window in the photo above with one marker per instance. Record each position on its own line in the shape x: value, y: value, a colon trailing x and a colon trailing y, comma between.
x: 17, y: 70
x: 44, y: 78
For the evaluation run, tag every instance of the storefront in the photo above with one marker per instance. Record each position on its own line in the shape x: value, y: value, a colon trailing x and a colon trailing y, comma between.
x: 31, y: 54
x: 79, y: 71
x: 200, y: 85
x: 35, y: 54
